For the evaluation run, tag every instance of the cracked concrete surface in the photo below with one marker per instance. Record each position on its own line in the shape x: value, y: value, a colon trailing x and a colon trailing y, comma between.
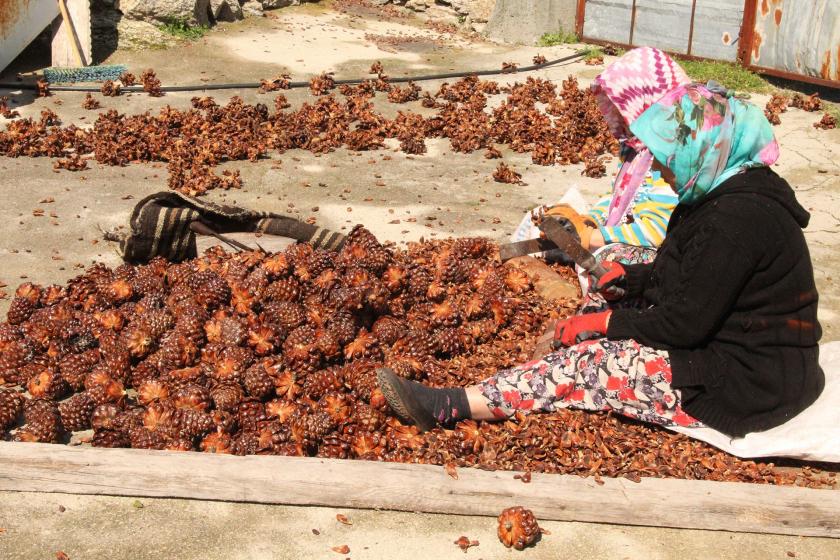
x: 400, y: 198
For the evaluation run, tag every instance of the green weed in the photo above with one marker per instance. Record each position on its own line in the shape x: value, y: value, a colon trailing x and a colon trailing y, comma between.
x: 559, y: 38
x: 832, y: 109
x: 730, y: 76
x: 182, y: 29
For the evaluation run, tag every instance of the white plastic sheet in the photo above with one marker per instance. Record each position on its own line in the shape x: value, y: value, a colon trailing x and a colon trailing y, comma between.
x: 813, y: 435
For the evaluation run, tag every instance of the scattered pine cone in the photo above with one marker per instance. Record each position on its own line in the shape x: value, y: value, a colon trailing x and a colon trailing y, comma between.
x: 775, y: 106
x: 5, y: 111
x: 810, y: 103
x: 151, y: 84
x: 827, y: 122
x: 90, y: 103
x: 319, y: 85
x: 110, y: 88
x: 509, y: 67
x: 280, y: 82
x: 505, y: 174
x: 569, y: 129
x: 594, y: 167
x: 403, y: 95
x: 74, y: 162
x: 43, y: 88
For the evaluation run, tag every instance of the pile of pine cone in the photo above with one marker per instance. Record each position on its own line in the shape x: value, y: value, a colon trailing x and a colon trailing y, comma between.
x: 779, y: 103
x: 562, y: 127
x: 810, y: 103
x: 250, y: 353
x: 827, y: 122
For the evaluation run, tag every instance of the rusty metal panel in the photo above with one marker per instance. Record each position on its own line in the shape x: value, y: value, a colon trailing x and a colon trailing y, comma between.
x: 797, y: 37
x: 20, y: 22
x: 664, y: 24
x: 608, y: 20
x: 717, y: 25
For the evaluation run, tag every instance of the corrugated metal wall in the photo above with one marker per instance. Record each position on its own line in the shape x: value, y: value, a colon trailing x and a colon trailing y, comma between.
x: 608, y: 20
x: 667, y: 24
x: 797, y: 39
x: 717, y: 24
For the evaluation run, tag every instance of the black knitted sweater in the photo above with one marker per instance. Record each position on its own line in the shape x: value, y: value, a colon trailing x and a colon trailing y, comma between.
x: 733, y: 301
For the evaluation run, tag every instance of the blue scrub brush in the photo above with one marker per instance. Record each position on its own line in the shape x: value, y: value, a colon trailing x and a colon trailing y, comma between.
x: 86, y: 74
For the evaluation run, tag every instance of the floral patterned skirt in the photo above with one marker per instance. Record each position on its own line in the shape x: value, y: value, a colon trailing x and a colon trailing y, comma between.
x: 597, y: 375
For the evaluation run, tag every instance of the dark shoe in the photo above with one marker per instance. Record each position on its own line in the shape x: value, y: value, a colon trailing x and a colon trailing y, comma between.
x: 402, y: 400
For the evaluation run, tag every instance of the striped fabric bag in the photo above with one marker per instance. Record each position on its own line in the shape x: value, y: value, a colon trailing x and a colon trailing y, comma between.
x: 160, y: 226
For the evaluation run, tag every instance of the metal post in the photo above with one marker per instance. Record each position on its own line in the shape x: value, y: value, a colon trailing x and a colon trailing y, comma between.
x: 579, y: 18
x: 691, y: 26
x: 747, y: 34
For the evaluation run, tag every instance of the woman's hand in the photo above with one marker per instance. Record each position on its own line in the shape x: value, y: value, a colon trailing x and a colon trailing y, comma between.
x: 581, y: 327
x: 608, y: 282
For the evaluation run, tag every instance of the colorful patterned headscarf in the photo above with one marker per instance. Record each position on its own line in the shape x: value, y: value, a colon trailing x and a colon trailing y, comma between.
x: 704, y: 135
x: 634, y: 82
x: 624, y: 91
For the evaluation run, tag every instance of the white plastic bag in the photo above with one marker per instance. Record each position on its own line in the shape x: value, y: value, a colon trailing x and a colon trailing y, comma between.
x: 526, y: 228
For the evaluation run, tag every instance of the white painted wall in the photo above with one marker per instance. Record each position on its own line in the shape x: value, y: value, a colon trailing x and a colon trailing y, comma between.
x: 20, y: 22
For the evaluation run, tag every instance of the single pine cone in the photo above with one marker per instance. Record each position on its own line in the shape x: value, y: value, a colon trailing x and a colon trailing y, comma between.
x: 518, y: 528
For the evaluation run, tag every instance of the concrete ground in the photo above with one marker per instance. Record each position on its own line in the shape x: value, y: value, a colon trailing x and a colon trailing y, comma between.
x: 97, y: 527
x: 397, y: 196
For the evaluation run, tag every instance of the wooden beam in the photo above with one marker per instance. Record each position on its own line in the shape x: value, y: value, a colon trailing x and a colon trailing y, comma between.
x: 727, y: 506
x: 64, y: 43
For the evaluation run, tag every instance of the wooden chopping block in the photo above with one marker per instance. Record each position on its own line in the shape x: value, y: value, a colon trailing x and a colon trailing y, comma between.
x: 547, y: 283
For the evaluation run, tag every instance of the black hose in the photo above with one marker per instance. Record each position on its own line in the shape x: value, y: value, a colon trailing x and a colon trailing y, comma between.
x: 213, y: 87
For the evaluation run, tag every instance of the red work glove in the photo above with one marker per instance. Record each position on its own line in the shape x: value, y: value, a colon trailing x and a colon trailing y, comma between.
x: 606, y: 284
x: 581, y: 327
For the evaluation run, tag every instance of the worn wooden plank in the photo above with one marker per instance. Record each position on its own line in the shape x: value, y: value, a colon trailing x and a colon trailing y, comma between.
x: 29, y: 467
x: 64, y: 44
x: 547, y: 282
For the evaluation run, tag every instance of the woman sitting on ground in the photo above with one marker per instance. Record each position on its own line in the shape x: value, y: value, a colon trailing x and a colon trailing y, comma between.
x: 628, y: 225
x: 727, y: 333
x: 637, y: 212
